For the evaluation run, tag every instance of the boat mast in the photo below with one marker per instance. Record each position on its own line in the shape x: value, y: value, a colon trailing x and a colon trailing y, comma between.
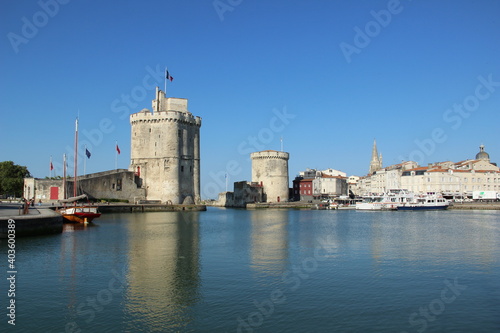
x: 64, y: 176
x: 75, y: 160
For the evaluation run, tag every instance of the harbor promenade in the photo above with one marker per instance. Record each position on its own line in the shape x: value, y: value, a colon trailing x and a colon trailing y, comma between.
x: 476, y: 205
x: 42, y: 219
x: 39, y: 220
x: 114, y: 207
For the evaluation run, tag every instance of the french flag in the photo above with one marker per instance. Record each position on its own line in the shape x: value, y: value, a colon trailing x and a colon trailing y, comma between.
x: 169, y: 77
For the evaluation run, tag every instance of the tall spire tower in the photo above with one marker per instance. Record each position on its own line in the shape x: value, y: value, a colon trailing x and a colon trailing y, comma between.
x: 376, y: 161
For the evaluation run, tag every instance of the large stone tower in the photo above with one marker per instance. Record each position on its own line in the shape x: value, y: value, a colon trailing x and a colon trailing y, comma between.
x: 270, y: 168
x: 165, y: 150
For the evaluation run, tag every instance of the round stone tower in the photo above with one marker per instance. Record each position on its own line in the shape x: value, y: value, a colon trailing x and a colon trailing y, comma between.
x: 270, y: 169
x: 165, y: 151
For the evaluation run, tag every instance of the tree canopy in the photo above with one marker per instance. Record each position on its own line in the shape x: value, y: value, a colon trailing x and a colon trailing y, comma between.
x: 12, y: 178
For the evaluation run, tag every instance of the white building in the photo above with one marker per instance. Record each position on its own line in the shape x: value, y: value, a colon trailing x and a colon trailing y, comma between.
x: 352, y: 184
x: 326, y: 186
x: 384, y: 179
x: 450, y: 178
x: 315, y: 184
x: 447, y: 177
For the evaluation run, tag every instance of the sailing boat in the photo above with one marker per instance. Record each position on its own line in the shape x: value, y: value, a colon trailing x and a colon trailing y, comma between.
x: 80, y: 214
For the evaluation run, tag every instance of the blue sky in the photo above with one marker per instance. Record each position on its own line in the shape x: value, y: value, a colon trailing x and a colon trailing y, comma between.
x: 422, y: 77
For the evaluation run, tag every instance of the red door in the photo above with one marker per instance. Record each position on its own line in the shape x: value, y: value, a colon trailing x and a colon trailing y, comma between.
x: 54, y: 193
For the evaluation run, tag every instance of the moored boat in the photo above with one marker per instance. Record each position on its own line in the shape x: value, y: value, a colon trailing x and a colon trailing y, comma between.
x: 386, y: 201
x: 76, y: 213
x: 328, y: 205
x: 375, y: 203
x: 80, y: 214
x: 429, y: 201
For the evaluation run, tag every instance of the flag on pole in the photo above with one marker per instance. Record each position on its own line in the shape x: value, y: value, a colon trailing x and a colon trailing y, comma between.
x: 118, y: 149
x: 87, y: 152
x: 51, y: 166
x: 169, y: 77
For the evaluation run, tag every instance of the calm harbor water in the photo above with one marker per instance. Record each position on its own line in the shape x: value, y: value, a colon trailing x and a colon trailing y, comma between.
x: 228, y: 270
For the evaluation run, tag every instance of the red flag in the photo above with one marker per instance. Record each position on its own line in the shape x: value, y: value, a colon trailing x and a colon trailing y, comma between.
x: 51, y: 166
x: 117, y: 149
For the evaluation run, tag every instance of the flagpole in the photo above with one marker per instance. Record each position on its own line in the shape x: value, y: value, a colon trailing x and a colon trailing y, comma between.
x: 116, y: 155
x: 64, y: 176
x: 85, y: 162
x: 50, y: 172
x: 75, y: 159
x: 165, y: 77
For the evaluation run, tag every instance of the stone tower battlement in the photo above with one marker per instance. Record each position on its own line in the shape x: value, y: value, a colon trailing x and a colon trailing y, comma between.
x: 165, y: 150
x: 270, y: 154
x: 147, y: 116
x: 270, y: 168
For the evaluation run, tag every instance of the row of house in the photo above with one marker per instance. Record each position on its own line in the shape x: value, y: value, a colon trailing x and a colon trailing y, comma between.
x: 313, y: 184
x: 450, y: 178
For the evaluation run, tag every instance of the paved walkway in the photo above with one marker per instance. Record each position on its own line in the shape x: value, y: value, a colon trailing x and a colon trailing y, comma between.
x: 15, y: 209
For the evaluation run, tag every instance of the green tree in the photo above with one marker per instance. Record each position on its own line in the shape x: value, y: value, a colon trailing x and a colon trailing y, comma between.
x: 12, y: 178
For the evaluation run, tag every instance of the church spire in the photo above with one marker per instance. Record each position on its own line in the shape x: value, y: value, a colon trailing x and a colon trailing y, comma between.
x: 374, y: 150
x: 376, y: 161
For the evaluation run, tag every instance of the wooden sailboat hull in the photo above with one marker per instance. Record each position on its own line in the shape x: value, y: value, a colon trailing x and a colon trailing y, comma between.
x: 80, y: 214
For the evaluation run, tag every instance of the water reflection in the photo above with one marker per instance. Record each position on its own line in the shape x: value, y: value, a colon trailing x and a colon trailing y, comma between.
x: 377, y: 268
x: 269, y: 237
x: 435, y: 237
x: 163, y: 270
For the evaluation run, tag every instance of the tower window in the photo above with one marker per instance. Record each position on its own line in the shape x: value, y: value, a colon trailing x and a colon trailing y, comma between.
x: 179, y: 133
x: 182, y: 168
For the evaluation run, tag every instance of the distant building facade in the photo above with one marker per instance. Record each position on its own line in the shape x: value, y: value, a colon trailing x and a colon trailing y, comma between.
x: 384, y: 179
x: 302, y: 189
x: 312, y: 184
x: 450, y: 178
x: 460, y: 178
x: 352, y: 185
